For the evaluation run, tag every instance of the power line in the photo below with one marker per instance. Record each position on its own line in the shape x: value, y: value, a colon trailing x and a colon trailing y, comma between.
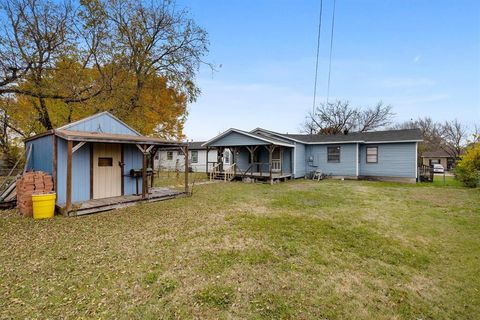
x: 318, y: 52
x: 331, y: 49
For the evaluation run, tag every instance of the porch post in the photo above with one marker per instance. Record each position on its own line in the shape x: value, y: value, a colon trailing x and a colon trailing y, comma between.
x: 186, y: 167
x: 69, y: 176
x: 206, y: 161
x: 144, y: 173
x: 270, y: 154
x: 281, y: 160
x: 234, y: 160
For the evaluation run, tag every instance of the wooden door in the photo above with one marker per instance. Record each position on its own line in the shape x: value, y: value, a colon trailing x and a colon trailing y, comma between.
x: 107, y: 171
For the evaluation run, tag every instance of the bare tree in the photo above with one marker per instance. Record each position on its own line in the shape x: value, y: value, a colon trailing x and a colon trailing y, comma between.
x: 454, y: 135
x: 431, y: 132
x: 339, y: 116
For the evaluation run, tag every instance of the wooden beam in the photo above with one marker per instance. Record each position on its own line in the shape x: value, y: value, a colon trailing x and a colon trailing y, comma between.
x: 142, y: 150
x: 69, y: 175
x: 78, y: 146
x: 149, y: 148
x: 29, y: 153
x: 144, y: 174
x: 54, y: 160
x: 186, y: 169
x: 122, y: 165
x: 91, y: 170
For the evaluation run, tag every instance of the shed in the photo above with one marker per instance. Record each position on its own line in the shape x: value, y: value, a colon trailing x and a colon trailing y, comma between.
x: 99, y: 163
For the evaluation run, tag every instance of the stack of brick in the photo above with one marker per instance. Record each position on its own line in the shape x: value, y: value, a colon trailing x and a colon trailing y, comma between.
x: 31, y: 183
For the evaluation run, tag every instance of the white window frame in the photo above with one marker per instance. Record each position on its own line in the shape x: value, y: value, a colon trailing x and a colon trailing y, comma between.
x: 169, y: 155
x: 376, y: 154
x: 194, y: 156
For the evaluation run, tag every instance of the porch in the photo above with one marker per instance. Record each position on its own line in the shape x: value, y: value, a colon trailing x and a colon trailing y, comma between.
x: 265, y: 163
x: 106, y: 204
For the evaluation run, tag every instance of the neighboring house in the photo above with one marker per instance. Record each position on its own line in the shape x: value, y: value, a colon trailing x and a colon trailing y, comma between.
x: 266, y: 155
x: 173, y: 160
x: 92, y: 159
x: 429, y: 158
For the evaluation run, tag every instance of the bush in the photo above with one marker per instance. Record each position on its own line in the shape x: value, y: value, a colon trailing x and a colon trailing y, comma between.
x: 468, y: 168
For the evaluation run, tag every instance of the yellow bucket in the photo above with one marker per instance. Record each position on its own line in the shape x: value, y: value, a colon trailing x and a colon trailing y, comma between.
x: 43, y: 205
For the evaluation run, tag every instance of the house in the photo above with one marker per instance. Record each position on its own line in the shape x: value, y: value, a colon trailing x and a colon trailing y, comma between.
x: 429, y: 158
x: 173, y: 159
x: 98, y: 163
x: 266, y: 155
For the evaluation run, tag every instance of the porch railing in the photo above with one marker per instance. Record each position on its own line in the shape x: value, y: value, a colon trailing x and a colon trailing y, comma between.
x: 276, y: 165
x: 230, y: 172
x: 215, y: 171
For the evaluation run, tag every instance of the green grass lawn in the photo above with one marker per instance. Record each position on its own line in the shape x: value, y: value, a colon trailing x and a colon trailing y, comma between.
x: 298, y: 250
x: 177, y: 179
x: 448, y: 181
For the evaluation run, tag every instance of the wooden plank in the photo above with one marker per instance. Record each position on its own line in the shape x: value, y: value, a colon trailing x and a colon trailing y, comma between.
x: 122, y: 164
x: 54, y: 161
x: 29, y: 153
x: 78, y: 146
x: 91, y: 170
x: 69, y: 175
x: 144, y: 174
x: 142, y: 150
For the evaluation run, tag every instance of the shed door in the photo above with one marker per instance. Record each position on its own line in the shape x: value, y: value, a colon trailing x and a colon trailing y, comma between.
x: 107, y: 171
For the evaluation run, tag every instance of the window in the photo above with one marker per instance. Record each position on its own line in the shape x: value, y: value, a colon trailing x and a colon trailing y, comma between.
x: 169, y: 155
x: 226, y: 157
x: 105, y: 162
x: 333, y: 154
x: 194, y: 155
x: 372, y: 154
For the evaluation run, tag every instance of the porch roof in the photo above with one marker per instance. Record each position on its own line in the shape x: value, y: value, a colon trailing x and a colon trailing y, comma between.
x: 113, y: 138
x: 250, y: 139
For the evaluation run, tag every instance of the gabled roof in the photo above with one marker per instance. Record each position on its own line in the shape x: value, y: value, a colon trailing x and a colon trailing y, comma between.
x: 104, y: 113
x: 196, y: 145
x: 270, y: 140
x: 405, y: 135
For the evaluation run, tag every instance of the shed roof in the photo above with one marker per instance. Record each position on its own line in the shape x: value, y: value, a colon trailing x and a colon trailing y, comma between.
x: 112, y: 138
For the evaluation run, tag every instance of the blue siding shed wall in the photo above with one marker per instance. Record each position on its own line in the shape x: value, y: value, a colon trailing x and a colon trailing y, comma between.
x: 237, y: 139
x: 346, y: 166
x: 133, y: 159
x: 81, y: 174
x: 300, y: 164
x: 41, y: 157
x: 104, y: 123
x: 394, y: 160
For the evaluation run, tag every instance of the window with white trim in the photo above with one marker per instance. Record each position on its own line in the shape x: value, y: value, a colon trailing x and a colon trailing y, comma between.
x: 169, y: 155
x: 333, y: 154
x: 372, y: 154
x: 194, y: 156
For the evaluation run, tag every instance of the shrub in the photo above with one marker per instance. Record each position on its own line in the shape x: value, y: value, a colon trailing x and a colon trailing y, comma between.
x: 468, y: 168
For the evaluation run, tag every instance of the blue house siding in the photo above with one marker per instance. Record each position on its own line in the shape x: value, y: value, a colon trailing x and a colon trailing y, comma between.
x: 41, y: 157
x: 133, y: 159
x: 300, y: 162
x: 237, y: 139
x: 317, y: 159
x: 102, y: 123
x: 394, y: 160
x: 81, y: 174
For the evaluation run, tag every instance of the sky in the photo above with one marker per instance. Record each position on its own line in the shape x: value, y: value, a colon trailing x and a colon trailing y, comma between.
x: 422, y: 57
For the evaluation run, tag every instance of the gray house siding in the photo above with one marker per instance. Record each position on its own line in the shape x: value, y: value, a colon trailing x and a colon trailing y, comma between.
x: 394, y: 160
x: 300, y: 163
x: 317, y: 159
x: 237, y: 139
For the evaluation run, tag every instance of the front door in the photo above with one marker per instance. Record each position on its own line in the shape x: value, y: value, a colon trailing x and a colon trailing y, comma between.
x: 107, y: 170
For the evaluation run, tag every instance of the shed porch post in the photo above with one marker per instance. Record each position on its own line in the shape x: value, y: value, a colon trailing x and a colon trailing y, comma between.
x: 144, y: 173
x: 69, y: 176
